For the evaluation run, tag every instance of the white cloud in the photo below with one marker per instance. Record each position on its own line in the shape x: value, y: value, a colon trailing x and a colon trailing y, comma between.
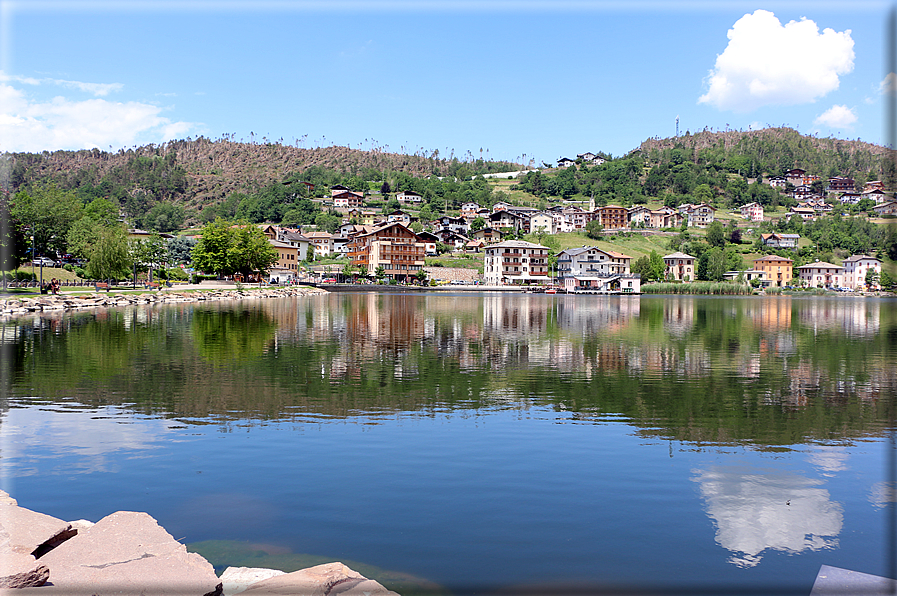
x: 836, y: 117
x: 61, y: 123
x: 766, y: 63
x: 888, y: 84
x: 95, y: 89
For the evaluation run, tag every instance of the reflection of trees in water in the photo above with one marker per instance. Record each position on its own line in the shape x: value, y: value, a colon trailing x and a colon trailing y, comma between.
x: 692, y: 369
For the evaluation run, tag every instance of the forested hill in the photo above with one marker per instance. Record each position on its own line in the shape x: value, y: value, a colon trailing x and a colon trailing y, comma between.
x: 771, y: 151
x: 205, y: 172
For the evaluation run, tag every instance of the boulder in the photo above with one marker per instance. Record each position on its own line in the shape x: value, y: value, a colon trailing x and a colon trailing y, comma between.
x: 329, y: 579
x: 21, y: 571
x: 27, y: 532
x: 236, y: 579
x: 128, y: 553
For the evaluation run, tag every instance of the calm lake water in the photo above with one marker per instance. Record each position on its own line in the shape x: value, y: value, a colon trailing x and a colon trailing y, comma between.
x: 474, y: 442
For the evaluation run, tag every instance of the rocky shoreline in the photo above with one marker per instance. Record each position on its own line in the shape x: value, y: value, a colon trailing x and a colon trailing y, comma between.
x: 17, y: 306
x: 129, y: 553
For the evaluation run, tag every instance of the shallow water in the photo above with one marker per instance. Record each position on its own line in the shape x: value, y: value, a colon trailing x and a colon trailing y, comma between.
x: 475, y: 441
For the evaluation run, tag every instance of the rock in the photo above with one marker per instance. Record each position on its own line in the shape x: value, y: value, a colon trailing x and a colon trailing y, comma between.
x: 5, y: 499
x: 236, y: 579
x: 322, y: 580
x: 22, y: 571
x: 128, y: 553
x: 81, y: 524
x: 27, y: 532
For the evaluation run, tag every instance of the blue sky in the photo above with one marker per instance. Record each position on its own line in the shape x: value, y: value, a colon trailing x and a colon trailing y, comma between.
x: 523, y: 80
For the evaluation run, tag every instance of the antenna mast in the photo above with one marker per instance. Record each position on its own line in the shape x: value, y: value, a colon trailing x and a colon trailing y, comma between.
x: 677, y: 125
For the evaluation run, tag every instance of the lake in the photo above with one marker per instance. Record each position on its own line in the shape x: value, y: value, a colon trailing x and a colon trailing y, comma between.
x: 462, y: 442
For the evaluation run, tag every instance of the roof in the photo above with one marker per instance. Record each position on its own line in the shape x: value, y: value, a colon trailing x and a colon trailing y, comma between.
x: 517, y: 244
x: 820, y: 265
x: 772, y: 259
x: 678, y: 255
x: 855, y: 258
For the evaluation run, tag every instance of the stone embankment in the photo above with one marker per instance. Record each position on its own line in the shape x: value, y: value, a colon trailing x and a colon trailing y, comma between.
x: 129, y: 553
x: 48, y: 302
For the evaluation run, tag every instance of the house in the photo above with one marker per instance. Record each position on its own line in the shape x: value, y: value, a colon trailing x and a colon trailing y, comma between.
x: 348, y: 199
x: 542, y: 222
x: 474, y: 246
x: 850, y: 198
x: 877, y: 195
x: 857, y: 267
x: 777, y: 271
x: 805, y: 213
x: 700, y: 215
x: 286, y: 268
x: 841, y: 184
x: 574, y: 219
x: 487, y: 235
x: 469, y: 210
x: 296, y: 239
x: 505, y: 220
x: 431, y: 240
x: 501, y: 206
x: 516, y: 261
x: 679, y: 266
x: 365, y: 218
x: 746, y: 276
x: 409, y: 196
x: 795, y: 176
x: 322, y: 242
x: 752, y: 212
x: 611, y: 217
x: 337, y: 189
x: 399, y: 216
x: 666, y: 217
x: 566, y: 162
x: 395, y: 248
x: 589, y: 157
x: 821, y: 275
x: 591, y: 260
x: 889, y: 208
x: 593, y: 270
x: 452, y: 238
x: 457, y: 225
x: 873, y: 185
x: 780, y: 240
x: 639, y: 216
x: 777, y: 181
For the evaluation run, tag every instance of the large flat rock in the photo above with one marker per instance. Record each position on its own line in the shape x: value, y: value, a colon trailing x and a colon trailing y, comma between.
x: 27, y: 532
x: 236, y: 579
x: 329, y: 579
x: 127, y: 553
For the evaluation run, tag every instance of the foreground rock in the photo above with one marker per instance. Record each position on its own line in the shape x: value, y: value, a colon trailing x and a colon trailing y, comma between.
x: 236, y: 579
x: 322, y: 580
x: 127, y: 553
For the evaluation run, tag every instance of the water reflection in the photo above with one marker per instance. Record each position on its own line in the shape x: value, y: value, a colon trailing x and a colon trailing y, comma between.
x: 755, y: 511
x: 712, y: 370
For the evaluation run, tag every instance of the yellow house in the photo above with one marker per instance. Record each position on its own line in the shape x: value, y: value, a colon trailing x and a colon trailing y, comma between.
x: 776, y: 270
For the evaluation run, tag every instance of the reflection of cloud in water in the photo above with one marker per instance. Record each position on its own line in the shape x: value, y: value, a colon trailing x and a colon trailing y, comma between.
x: 87, y: 434
x: 883, y: 493
x: 829, y: 459
x: 754, y: 512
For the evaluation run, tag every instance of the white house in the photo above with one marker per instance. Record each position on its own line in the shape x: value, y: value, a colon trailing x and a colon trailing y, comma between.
x: 752, y: 212
x: 856, y: 268
x: 821, y: 275
x: 516, y: 261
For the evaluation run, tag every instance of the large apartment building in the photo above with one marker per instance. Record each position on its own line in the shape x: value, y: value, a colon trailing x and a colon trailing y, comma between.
x: 392, y: 246
x: 516, y: 261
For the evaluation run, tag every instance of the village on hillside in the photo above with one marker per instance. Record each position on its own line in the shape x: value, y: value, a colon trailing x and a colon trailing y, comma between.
x: 382, y: 243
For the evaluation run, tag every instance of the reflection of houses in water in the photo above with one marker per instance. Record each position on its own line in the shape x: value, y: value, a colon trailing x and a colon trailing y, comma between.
x: 586, y: 315
x: 854, y: 316
x: 678, y: 315
x: 770, y: 313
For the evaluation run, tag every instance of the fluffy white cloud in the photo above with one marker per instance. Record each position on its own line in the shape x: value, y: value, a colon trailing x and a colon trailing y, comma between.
x: 95, y: 89
x: 836, y: 117
x: 767, y: 63
x: 61, y: 123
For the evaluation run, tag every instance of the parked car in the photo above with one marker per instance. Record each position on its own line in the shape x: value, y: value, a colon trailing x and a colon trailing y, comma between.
x: 44, y: 262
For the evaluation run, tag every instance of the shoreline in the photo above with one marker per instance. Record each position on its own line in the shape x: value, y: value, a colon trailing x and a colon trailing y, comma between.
x: 12, y: 306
